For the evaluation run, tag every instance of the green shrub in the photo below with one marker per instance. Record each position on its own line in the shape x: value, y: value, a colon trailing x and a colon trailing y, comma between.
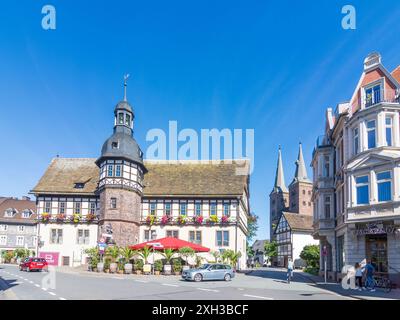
x: 139, y: 264
x: 310, y: 255
x: 158, y: 265
x: 177, y: 265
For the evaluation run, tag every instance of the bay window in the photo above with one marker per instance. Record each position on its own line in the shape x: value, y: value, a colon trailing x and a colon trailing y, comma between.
x: 384, y: 180
x: 372, y: 95
x: 388, y: 130
x: 362, y: 187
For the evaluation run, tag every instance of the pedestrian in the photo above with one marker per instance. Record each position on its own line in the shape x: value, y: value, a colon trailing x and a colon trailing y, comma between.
x: 359, y: 274
x: 290, y: 269
x: 369, y: 274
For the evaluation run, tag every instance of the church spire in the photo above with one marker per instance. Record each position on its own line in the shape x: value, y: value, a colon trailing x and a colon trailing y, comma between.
x: 279, y: 177
x: 126, y: 76
x: 301, y: 172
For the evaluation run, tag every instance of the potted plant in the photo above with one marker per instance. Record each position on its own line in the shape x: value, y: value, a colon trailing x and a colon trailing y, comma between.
x: 138, y: 266
x: 127, y: 253
x: 150, y: 219
x: 76, y: 217
x: 177, y: 266
x: 158, y: 267
x: 106, y: 266
x: 94, y: 257
x: 144, y: 254
x: 121, y: 264
x: 60, y: 217
x: 90, y: 217
x: 198, y: 220
x: 186, y: 253
x: 168, y: 254
x: 113, y: 252
x: 164, y: 219
x: 199, y: 261
x: 224, y: 219
x: 45, y: 217
x: 216, y: 255
x: 181, y: 219
x: 212, y: 219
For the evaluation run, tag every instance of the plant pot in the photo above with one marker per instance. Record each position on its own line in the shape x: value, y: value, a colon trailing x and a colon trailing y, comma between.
x: 157, y: 273
x: 147, y: 268
x: 120, y: 271
x: 100, y: 267
x: 94, y: 269
x: 167, y: 269
x: 113, y: 267
x: 177, y: 273
x: 138, y: 271
x: 107, y: 271
x: 128, y: 268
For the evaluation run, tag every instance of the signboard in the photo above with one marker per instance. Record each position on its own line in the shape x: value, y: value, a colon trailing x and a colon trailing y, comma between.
x: 102, y: 247
x: 375, y: 228
x: 156, y: 245
x: 50, y: 257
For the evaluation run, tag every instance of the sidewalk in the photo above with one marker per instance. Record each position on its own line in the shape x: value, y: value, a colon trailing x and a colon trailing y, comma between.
x: 379, y: 294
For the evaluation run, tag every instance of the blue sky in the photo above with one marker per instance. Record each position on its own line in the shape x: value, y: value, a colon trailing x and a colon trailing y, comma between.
x: 271, y: 66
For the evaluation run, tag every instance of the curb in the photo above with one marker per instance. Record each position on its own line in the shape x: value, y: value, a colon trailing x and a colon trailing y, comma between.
x: 316, y: 283
x: 7, y: 293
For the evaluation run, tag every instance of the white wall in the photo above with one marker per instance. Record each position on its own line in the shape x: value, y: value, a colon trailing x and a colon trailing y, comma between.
x: 299, y: 241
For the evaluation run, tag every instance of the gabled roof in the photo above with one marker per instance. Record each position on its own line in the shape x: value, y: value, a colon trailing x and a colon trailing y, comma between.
x: 372, y: 159
x: 396, y: 74
x: 299, y: 222
x: 20, y: 206
x: 164, y: 178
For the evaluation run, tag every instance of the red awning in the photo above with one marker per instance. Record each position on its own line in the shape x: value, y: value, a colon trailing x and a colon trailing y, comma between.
x: 169, y: 243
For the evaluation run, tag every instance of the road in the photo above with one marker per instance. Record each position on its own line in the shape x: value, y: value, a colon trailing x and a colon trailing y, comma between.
x: 259, y: 285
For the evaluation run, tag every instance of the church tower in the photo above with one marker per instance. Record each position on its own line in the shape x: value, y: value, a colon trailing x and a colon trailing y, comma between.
x: 121, y: 180
x: 300, y: 189
x: 279, y: 196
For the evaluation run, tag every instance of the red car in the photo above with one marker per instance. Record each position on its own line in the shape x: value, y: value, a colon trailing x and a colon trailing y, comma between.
x: 30, y: 264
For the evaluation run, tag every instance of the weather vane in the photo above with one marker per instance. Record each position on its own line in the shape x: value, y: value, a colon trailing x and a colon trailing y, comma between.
x: 126, y: 76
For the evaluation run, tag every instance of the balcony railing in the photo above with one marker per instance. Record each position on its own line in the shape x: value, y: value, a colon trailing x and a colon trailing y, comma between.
x: 391, y: 97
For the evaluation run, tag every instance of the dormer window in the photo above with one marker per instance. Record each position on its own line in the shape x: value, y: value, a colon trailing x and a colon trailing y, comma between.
x: 79, y: 185
x: 26, y: 213
x: 372, y: 95
x: 114, y: 145
x: 128, y: 120
x: 10, y: 212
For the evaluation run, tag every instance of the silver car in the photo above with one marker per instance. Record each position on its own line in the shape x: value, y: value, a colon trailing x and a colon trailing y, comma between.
x: 211, y: 271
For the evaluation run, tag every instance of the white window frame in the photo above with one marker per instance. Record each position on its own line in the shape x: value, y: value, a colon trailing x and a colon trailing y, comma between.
x: 371, y: 129
x: 381, y: 83
x: 383, y: 181
x: 389, y: 116
x: 3, y: 240
x: 3, y: 227
x: 356, y: 150
x: 21, y: 228
x: 18, y: 243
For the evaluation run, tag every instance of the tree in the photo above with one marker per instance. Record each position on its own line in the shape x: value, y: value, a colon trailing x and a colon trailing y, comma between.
x: 168, y: 254
x: 252, y: 227
x: 216, y: 255
x: 186, y: 252
x: 144, y: 253
x: 113, y: 252
x: 271, y: 249
x: 310, y: 255
x: 127, y: 253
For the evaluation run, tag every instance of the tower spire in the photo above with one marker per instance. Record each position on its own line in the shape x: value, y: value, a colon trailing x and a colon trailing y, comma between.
x: 126, y: 76
x: 279, y: 176
x: 301, y: 172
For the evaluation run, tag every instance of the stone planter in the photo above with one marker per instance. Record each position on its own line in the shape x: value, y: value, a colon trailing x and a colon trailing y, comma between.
x: 138, y: 271
x: 157, y: 273
x: 128, y: 268
x: 113, y: 267
x: 167, y: 269
x: 100, y: 267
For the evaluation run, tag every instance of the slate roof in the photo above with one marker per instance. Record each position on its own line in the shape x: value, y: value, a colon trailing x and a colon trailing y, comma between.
x: 164, y: 178
x: 299, y: 222
x: 20, y: 206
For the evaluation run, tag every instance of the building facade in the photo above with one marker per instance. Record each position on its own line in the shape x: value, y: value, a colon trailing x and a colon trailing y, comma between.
x: 18, y: 225
x: 287, y: 202
x: 356, y: 175
x: 123, y: 199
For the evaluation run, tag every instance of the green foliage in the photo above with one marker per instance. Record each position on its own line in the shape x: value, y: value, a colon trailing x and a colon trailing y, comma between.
x: 252, y: 226
x: 94, y: 256
x: 113, y: 252
x: 249, y: 250
x: 7, y: 256
x: 186, y: 252
x: 158, y: 265
x: 310, y: 255
x: 127, y: 253
x: 144, y: 253
x: 21, y: 253
x: 199, y: 261
x: 138, y: 264
x: 177, y: 265
x: 107, y: 261
x: 168, y: 254
x: 231, y: 257
x: 216, y: 255
x: 271, y: 249
x: 312, y: 270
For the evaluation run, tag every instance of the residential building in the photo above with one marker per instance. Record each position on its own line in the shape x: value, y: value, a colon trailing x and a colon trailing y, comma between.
x: 17, y: 224
x: 356, y: 174
x: 131, y: 200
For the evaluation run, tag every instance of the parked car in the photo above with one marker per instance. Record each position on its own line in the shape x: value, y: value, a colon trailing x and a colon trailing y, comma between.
x: 31, y: 264
x: 209, y: 271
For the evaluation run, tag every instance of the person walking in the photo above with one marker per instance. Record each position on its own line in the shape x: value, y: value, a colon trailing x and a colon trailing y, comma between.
x: 369, y: 270
x: 359, y: 275
x: 290, y: 270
